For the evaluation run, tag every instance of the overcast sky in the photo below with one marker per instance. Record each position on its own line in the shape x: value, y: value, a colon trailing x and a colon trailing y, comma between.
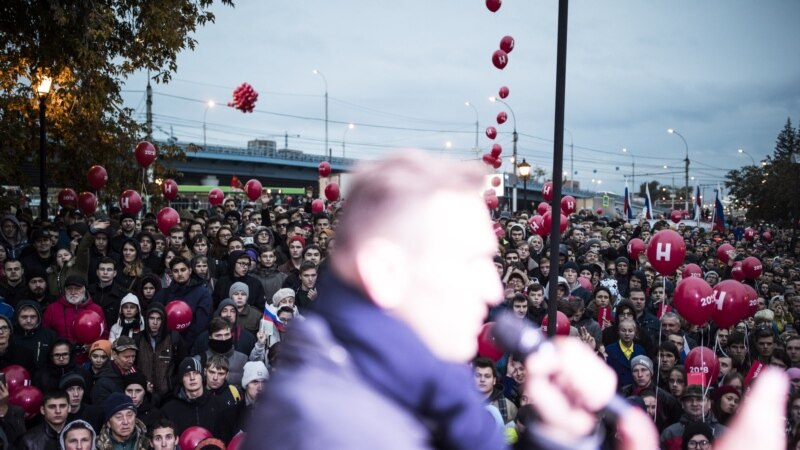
x: 724, y: 73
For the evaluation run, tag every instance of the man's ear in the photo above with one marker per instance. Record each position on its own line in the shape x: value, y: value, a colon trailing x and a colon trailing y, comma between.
x: 383, y: 268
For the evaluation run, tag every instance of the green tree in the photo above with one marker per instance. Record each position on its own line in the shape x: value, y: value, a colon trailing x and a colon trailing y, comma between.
x: 88, y: 48
x: 769, y: 192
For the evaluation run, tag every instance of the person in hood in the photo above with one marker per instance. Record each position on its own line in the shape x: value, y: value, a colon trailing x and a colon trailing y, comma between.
x: 74, y: 385
x: 13, y: 287
x: 190, y: 290
x: 29, y: 333
x: 61, y: 315
x: 10, y: 352
x: 122, y: 429
x: 77, y: 435
x: 146, y: 289
x: 11, y: 236
x: 253, y: 381
x: 570, y: 273
x: 130, y: 321
x: 243, y: 340
x: 160, y: 351
x: 60, y: 361
x: 238, y: 268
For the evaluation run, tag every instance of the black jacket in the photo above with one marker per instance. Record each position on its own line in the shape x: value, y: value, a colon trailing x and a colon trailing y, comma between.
x: 90, y: 413
x: 13, y: 423
x: 36, y: 341
x: 40, y: 437
x: 107, y: 381
x: 109, y: 299
x: 205, y: 411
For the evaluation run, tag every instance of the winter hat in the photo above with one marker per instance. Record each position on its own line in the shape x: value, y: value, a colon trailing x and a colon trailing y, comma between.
x: 134, y: 378
x: 571, y: 265
x: 117, y: 402
x: 729, y: 389
x: 793, y: 373
x: 642, y: 360
x: 693, y: 390
x: 189, y: 364
x: 127, y: 216
x: 39, y: 234
x: 102, y: 344
x: 622, y: 259
x: 7, y: 319
x: 239, y: 287
x: 75, y: 280
x: 253, y: 371
x: 282, y: 294
x: 124, y: 343
x: 297, y: 238
x: 35, y: 272
x: 71, y: 379
x: 693, y: 429
x: 593, y: 241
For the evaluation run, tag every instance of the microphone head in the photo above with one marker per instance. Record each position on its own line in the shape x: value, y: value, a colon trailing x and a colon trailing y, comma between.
x: 516, y: 336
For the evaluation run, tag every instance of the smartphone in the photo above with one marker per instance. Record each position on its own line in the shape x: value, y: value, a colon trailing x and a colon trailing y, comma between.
x: 603, y: 314
x: 247, y: 240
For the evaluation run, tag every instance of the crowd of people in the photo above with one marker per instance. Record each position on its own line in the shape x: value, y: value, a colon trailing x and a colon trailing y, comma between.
x: 248, y: 270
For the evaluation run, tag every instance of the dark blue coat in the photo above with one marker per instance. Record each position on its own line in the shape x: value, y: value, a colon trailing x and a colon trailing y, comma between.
x: 622, y: 365
x: 198, y: 297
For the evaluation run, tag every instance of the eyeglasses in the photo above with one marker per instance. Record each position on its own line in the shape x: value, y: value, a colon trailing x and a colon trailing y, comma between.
x: 4, y: 329
x: 243, y: 263
x: 60, y: 355
x: 698, y: 444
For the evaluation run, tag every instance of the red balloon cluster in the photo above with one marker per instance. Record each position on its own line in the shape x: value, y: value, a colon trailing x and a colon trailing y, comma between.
x: 500, y: 56
x: 145, y: 154
x: 215, y: 197
x: 548, y: 222
x: 253, y: 189
x: 170, y: 189
x: 493, y: 157
x: 166, y: 219
x: 694, y: 300
x: 536, y: 224
x: 67, y: 198
x: 130, y: 202
x: 666, y: 251
x: 737, y: 273
x: 89, y: 326
x: 28, y: 398
x: 179, y: 315
x: 87, y: 202
x: 543, y: 207
x: 16, y: 377
x: 98, y: 177
x: 490, y: 197
x: 731, y: 303
x: 318, y: 205
x: 751, y: 267
x: 244, y: 98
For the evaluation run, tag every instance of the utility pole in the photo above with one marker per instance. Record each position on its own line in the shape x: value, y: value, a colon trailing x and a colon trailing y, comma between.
x: 148, y: 127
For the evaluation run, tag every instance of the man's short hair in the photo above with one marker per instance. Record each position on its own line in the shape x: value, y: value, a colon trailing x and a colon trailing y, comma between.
x: 55, y: 394
x: 218, y: 361
x: 178, y: 260
x: 482, y: 362
x: 519, y: 298
x: 307, y: 265
x: 535, y: 288
x: 218, y: 324
x: 107, y: 260
x: 265, y: 249
x: 163, y: 422
x: 669, y: 347
x: 737, y: 337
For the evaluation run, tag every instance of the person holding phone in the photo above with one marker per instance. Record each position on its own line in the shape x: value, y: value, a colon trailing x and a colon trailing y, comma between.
x: 12, y: 418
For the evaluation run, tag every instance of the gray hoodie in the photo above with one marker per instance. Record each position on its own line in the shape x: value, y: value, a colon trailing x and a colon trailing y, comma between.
x: 72, y: 424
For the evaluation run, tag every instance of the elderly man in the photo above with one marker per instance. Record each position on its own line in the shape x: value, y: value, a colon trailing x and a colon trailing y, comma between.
x: 61, y: 315
x: 122, y: 429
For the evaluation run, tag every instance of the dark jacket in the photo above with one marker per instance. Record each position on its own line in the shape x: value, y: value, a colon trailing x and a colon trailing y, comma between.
x: 15, y: 354
x: 36, y: 341
x: 90, y: 413
x: 243, y: 340
x: 48, y: 377
x: 13, y: 423
x: 199, y: 300
x: 107, y: 381
x: 40, y: 437
x: 13, y: 294
x: 271, y: 280
x: 108, y: 298
x: 622, y: 365
x: 205, y: 411
x: 223, y: 287
x: 668, y: 410
x: 158, y: 357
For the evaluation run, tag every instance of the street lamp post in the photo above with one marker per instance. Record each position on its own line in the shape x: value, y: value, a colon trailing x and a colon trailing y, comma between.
x: 349, y: 127
x: 43, y: 90
x: 686, y: 162
x: 742, y: 152
x: 633, y: 167
x: 325, y: 80
x: 515, y: 138
x: 524, y: 172
x: 571, y: 160
x: 477, y: 125
x: 209, y: 105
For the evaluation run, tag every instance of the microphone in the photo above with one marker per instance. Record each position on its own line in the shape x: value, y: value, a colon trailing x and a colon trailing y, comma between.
x: 521, y: 339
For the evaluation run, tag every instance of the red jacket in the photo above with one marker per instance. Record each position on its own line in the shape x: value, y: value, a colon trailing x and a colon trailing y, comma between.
x: 60, y: 317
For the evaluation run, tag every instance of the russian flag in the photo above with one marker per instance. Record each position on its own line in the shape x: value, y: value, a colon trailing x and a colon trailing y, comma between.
x: 626, y: 206
x: 648, y: 208
x: 270, y: 316
x: 719, y: 213
x: 698, y: 204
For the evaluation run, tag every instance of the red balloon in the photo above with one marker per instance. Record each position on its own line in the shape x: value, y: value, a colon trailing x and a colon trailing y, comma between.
x: 318, y: 205
x: 599, y: 211
x: 130, y: 202
x: 503, y: 93
x: 666, y: 251
x: 676, y: 215
x: 492, y: 202
x: 731, y: 303
x: 749, y: 233
x: 694, y: 300
x: 192, y: 436
x: 496, y: 181
x: 332, y: 192
x: 170, y: 189
x: 324, y: 169
x: 507, y: 44
x: 751, y: 267
x: 562, y: 324
x: 548, y: 222
x: 166, y: 219
x: 497, y: 163
x: 635, y: 248
x: 488, y: 159
x: 16, y: 377
x: 723, y: 252
x: 547, y: 191
x: 568, y: 204
x: 87, y: 202
x: 98, y: 177
x: 493, y: 5
x: 179, y: 315
x: 237, y: 443
x: 536, y: 225
x: 491, y: 132
x: 497, y: 150
x: 252, y: 189
x: 543, y: 207
x: 751, y: 296
x: 586, y: 283
x: 737, y: 273
x: 215, y: 197
x: 67, y: 198
x: 766, y: 236
x: 702, y: 360
x: 500, y: 59
x: 487, y: 346
x: 29, y: 398
x: 89, y: 326
x: 502, y: 117
x: 692, y: 270
x: 145, y: 154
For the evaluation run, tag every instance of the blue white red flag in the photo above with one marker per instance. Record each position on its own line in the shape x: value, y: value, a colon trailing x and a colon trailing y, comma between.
x: 270, y: 316
x: 648, y: 205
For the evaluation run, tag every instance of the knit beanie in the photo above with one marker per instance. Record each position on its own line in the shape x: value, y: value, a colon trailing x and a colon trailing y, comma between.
x: 71, y: 379
x: 282, y: 294
x: 239, y: 287
x: 254, y: 370
x: 642, y: 360
x: 115, y: 403
x: 189, y: 364
x: 102, y: 344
